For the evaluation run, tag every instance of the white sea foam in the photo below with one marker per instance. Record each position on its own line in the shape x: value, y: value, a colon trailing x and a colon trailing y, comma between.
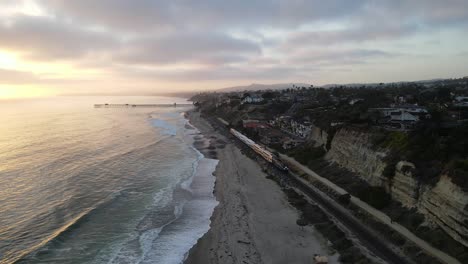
x: 171, y: 243
x: 167, y: 128
x: 163, y: 197
x: 146, y: 241
x: 172, y: 246
x: 176, y: 239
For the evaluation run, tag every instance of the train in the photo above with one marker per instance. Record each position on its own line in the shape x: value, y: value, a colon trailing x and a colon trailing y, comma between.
x: 267, y: 155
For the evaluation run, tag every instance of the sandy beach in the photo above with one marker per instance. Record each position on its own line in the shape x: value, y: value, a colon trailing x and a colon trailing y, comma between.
x: 253, y: 223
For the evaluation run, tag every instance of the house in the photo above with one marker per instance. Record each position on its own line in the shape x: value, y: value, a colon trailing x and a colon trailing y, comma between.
x: 252, y: 99
x: 286, y: 97
x: 281, y: 121
x: 221, y: 100
x: 412, y: 113
x: 298, y: 128
x: 336, y: 124
x: 355, y: 101
x: 461, y: 101
x: 301, y: 129
x: 403, y: 117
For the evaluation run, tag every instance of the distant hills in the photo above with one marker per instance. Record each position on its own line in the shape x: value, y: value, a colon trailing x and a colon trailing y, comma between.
x: 258, y: 86
x: 253, y: 87
x: 281, y: 86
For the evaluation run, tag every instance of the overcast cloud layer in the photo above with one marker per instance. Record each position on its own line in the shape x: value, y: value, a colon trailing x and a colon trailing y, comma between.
x: 150, y: 44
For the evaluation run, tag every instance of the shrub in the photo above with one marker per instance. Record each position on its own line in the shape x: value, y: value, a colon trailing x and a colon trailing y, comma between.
x: 459, y: 177
x: 397, y: 141
x: 461, y: 164
x: 389, y: 170
x: 306, y: 154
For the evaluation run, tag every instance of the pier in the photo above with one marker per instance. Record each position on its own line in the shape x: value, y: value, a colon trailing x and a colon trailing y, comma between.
x: 139, y: 105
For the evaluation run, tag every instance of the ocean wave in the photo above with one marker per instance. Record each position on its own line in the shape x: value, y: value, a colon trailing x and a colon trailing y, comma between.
x: 176, y: 238
x: 74, y: 222
x: 167, y: 128
x: 193, y: 204
x: 193, y: 221
x: 67, y: 227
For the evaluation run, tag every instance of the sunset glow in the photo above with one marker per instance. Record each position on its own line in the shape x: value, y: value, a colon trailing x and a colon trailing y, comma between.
x: 233, y: 131
x: 7, y: 60
x: 21, y: 92
x: 141, y: 47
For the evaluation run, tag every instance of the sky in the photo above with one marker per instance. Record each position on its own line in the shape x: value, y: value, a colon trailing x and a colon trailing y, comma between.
x: 50, y: 47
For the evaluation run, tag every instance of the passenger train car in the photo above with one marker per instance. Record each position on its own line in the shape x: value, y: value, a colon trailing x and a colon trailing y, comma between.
x: 267, y: 155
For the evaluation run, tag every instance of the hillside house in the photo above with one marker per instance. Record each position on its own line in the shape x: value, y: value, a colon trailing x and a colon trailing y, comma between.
x: 252, y: 99
x: 301, y: 129
x: 355, y: 101
x: 410, y: 113
x: 292, y: 126
x: 403, y: 117
x: 461, y: 101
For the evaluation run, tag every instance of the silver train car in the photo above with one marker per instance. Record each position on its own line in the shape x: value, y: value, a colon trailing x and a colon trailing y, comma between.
x: 267, y: 155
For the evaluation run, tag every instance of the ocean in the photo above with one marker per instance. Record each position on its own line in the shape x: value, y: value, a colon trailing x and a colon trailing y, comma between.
x: 80, y: 184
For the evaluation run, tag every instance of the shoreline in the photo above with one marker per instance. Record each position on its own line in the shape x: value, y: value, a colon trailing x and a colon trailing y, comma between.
x: 253, y: 218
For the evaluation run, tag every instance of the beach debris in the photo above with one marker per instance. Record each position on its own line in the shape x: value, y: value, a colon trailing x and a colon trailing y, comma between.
x: 319, y: 259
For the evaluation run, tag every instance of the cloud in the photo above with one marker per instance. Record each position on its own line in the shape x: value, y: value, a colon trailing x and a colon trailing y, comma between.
x: 277, y: 72
x: 212, y: 40
x: 150, y: 15
x: 16, y: 77
x: 339, y: 56
x: 187, y: 47
x: 431, y: 13
x: 42, y: 38
x: 142, y: 15
x: 352, y: 35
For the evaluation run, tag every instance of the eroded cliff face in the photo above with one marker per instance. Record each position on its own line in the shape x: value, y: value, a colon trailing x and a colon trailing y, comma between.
x: 444, y: 204
x: 318, y: 136
x: 404, y: 186
x: 352, y: 150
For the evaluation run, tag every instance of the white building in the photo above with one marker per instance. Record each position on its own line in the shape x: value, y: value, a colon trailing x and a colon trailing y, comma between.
x: 402, y: 115
x: 301, y: 129
x: 291, y: 126
x: 408, y: 113
x: 461, y: 101
x: 252, y: 99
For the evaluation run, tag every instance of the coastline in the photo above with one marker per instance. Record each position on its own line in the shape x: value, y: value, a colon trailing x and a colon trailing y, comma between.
x: 253, y: 222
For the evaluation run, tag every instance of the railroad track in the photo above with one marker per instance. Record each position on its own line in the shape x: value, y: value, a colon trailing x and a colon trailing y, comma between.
x: 366, y: 236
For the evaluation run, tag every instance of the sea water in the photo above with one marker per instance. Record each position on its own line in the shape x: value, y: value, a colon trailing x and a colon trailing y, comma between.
x: 100, y: 185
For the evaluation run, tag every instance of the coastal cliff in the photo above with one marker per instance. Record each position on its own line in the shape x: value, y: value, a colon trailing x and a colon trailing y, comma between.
x: 444, y: 204
x: 353, y: 150
x: 318, y: 137
x: 415, y: 172
x: 405, y: 188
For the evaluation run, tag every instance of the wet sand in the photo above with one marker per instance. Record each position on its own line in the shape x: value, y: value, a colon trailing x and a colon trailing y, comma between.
x: 254, y: 222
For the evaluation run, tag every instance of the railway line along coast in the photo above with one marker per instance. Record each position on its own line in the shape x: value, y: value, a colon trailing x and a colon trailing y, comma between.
x: 287, y: 169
